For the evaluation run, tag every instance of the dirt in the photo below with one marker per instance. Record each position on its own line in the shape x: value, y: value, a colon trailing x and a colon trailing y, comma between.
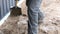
x: 51, y: 25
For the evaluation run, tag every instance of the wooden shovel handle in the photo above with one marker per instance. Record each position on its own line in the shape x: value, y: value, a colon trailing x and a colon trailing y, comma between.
x: 16, y: 1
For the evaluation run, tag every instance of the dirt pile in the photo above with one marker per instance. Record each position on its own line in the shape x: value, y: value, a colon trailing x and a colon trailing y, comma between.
x: 52, y: 17
x: 14, y: 25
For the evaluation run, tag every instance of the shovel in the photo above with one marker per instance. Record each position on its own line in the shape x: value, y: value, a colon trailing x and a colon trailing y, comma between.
x: 15, y: 11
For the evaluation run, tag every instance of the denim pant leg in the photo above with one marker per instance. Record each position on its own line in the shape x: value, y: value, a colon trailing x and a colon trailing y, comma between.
x: 33, y: 10
x: 40, y: 18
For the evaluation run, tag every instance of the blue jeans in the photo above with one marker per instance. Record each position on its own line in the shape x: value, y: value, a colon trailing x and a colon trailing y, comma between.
x: 34, y: 14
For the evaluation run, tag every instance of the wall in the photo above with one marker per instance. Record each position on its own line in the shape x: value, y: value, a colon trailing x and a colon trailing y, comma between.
x: 5, y: 7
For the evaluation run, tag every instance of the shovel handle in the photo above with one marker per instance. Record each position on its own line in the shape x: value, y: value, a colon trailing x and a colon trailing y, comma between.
x: 16, y: 2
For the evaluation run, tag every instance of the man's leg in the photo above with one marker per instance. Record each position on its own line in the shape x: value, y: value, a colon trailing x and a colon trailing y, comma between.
x: 33, y: 10
x: 40, y: 17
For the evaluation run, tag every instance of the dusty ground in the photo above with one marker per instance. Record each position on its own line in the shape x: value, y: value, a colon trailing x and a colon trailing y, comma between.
x: 51, y: 25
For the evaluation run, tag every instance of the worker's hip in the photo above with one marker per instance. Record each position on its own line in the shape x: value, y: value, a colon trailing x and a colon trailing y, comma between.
x: 33, y: 3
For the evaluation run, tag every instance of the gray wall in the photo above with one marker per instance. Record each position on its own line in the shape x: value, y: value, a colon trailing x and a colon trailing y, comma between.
x: 5, y: 7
